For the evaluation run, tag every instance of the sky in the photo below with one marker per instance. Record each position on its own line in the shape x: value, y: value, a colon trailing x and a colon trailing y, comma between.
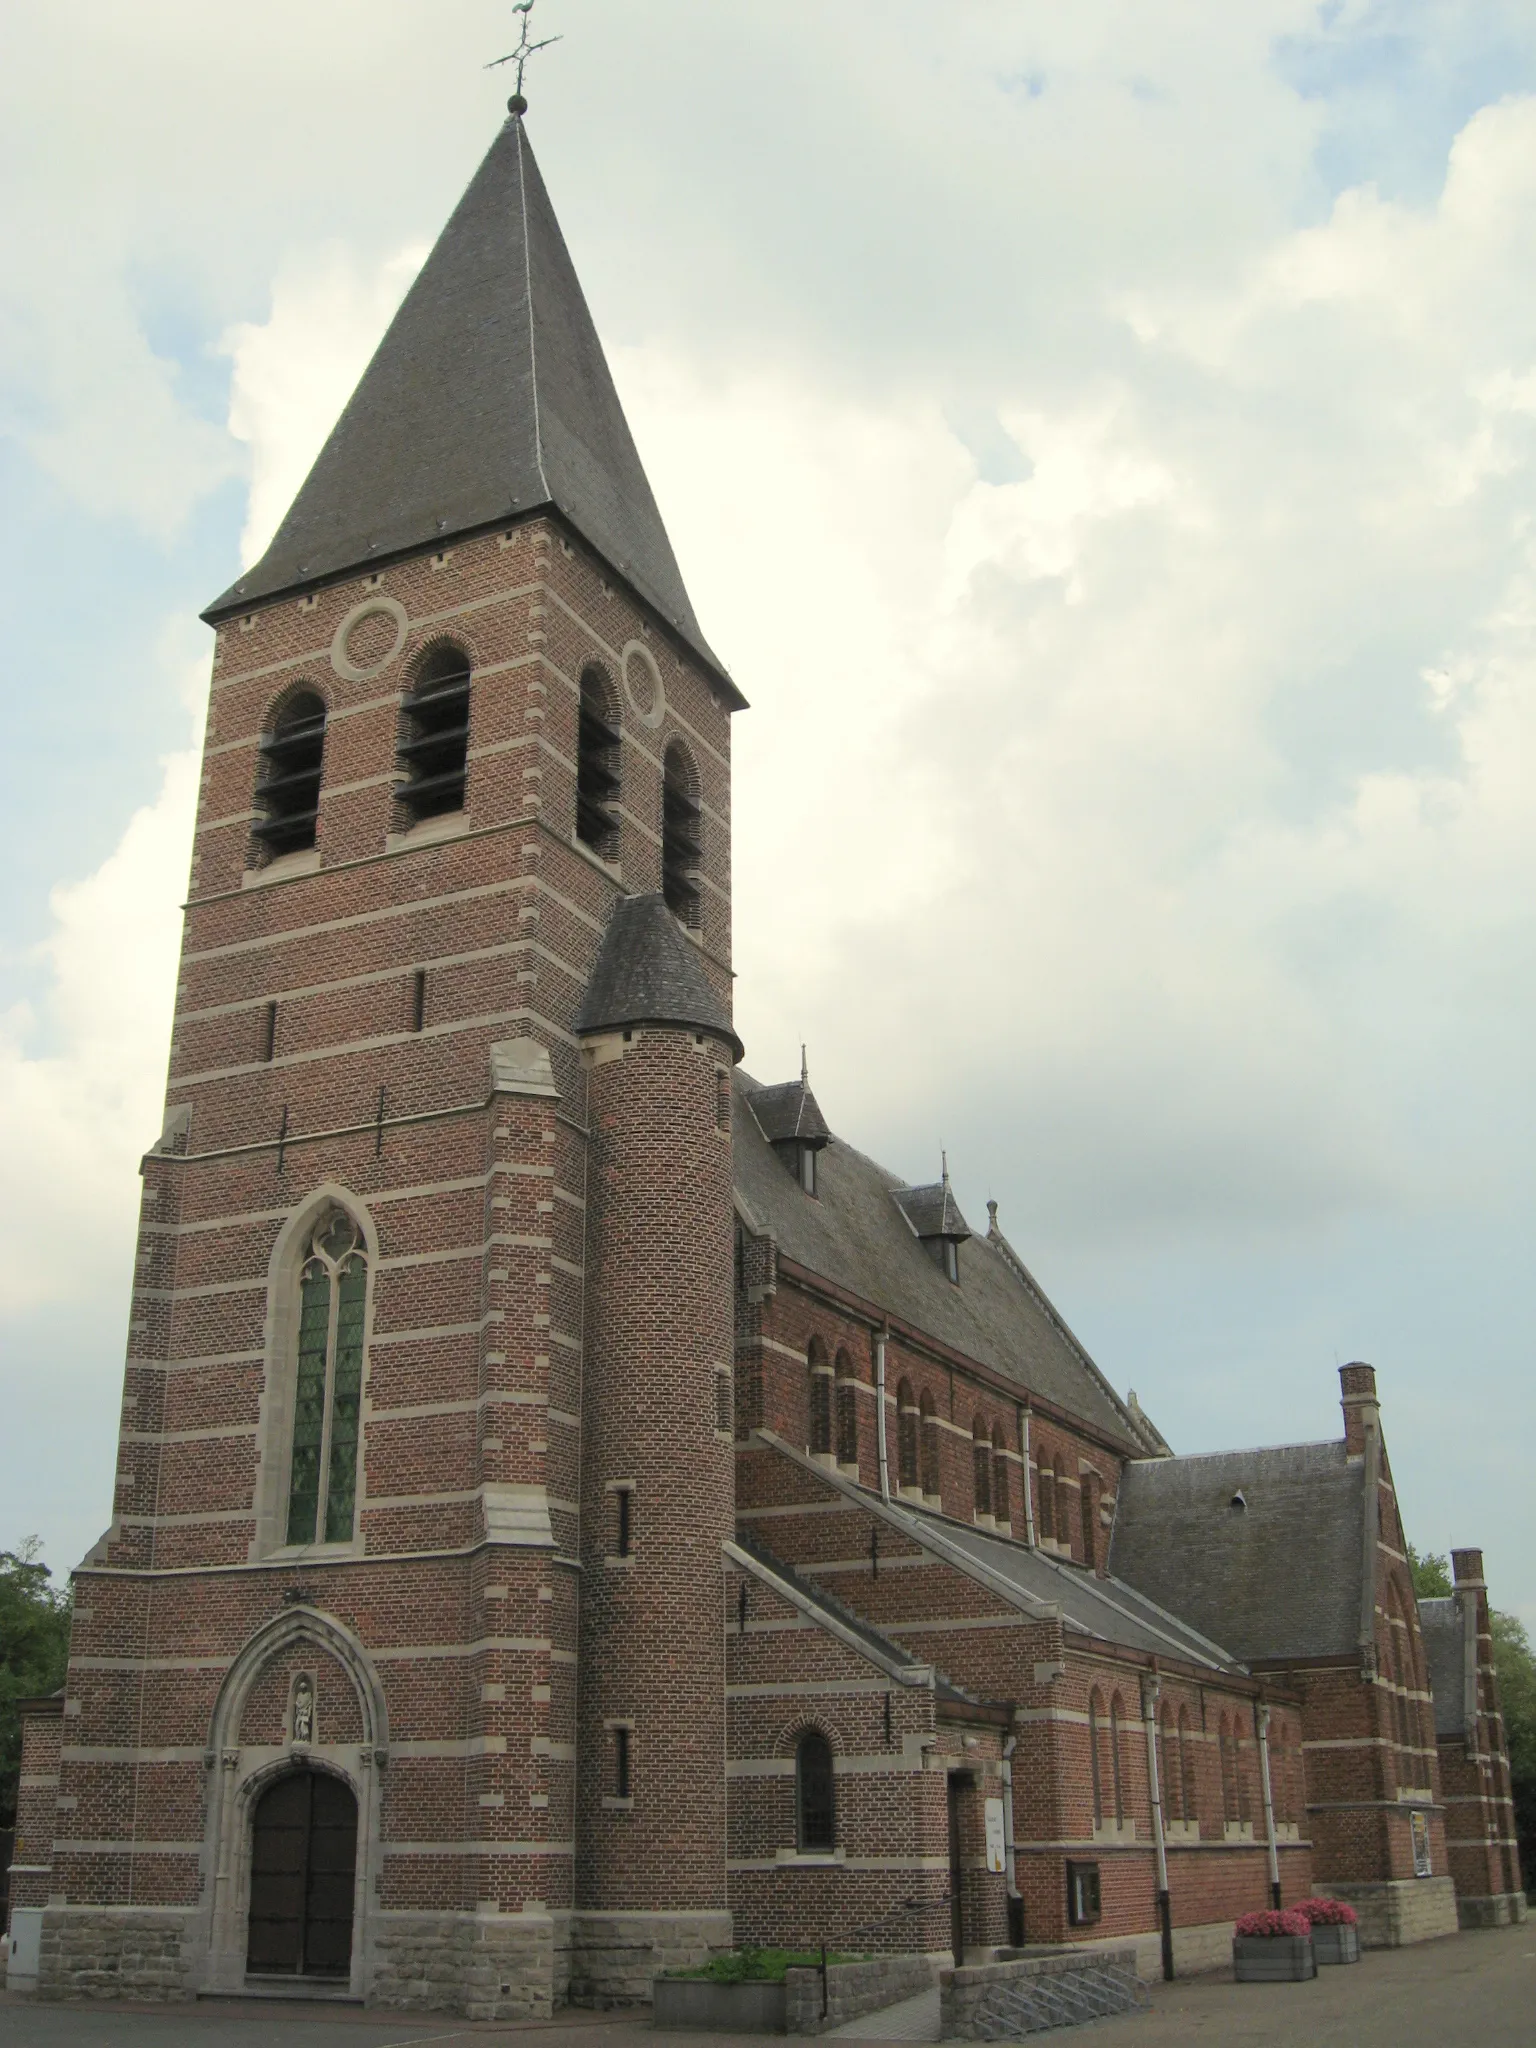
x: 1101, y: 441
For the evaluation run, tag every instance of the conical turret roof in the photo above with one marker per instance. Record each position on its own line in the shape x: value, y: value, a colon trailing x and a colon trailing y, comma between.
x: 488, y: 398
x: 646, y: 972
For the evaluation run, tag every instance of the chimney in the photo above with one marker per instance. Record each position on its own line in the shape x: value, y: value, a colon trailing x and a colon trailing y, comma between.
x: 1467, y: 1569
x: 1362, y: 1410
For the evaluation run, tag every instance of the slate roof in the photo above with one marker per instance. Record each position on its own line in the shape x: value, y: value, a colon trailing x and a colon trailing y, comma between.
x: 853, y: 1234
x: 788, y: 1109
x: 648, y: 972
x: 933, y: 1211
x: 1279, y: 1578
x: 488, y: 398
x: 1037, y: 1583
x: 1443, y: 1624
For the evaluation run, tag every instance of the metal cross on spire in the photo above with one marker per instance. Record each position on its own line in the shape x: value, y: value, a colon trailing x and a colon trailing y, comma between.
x: 525, y: 49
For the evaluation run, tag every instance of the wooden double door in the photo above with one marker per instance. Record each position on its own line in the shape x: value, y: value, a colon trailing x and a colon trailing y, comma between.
x: 303, y: 1867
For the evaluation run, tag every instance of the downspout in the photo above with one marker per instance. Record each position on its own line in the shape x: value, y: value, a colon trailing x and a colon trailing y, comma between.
x: 1151, y: 1692
x: 1010, y: 1861
x: 1029, y: 1491
x: 885, y: 1469
x: 1261, y: 1725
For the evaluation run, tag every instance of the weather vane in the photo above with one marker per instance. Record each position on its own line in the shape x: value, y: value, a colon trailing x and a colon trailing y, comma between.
x: 525, y: 49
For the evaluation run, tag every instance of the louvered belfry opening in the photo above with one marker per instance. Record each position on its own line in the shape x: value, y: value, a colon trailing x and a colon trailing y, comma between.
x: 682, y: 841
x: 434, y: 743
x: 597, y: 767
x: 292, y: 757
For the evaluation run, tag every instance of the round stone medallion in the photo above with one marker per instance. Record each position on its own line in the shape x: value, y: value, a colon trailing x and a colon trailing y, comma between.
x: 642, y: 684
x: 369, y: 638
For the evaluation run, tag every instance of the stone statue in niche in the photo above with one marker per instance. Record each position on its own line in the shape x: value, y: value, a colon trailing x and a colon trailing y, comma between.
x: 304, y: 1709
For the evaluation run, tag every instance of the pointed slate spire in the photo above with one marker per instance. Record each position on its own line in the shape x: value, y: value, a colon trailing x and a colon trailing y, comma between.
x: 646, y: 972
x: 488, y: 398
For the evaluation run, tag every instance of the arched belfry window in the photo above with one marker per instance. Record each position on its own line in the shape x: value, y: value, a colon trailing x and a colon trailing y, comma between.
x: 682, y: 834
x: 597, y: 766
x: 819, y: 1393
x: 322, y: 1477
x: 292, y: 758
x: 434, y: 738
x: 815, y: 1802
x: 847, y: 1412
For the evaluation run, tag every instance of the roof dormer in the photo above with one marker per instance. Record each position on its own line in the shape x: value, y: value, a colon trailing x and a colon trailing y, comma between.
x: 789, y: 1118
x: 934, y: 1217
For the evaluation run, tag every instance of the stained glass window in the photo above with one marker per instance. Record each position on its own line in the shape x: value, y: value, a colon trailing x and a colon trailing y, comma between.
x: 322, y: 1485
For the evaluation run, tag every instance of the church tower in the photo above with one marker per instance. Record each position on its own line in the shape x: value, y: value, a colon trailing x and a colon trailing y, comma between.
x: 378, y: 1676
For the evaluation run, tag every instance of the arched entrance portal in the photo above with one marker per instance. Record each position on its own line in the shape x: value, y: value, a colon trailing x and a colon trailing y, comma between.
x: 303, y: 1863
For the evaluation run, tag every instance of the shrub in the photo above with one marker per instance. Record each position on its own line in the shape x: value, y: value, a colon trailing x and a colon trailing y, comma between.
x: 1326, y: 1912
x: 1270, y: 1924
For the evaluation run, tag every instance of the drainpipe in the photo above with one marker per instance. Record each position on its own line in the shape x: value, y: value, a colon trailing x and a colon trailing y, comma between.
x: 885, y: 1468
x: 1029, y: 1492
x: 1261, y: 1725
x: 1151, y: 1692
x: 1010, y: 1861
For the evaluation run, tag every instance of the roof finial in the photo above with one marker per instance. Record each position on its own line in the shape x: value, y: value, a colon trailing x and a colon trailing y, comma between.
x: 805, y: 1072
x: 517, y: 104
x: 944, y: 1166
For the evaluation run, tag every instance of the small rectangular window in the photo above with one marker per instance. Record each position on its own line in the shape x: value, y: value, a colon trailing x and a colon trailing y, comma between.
x: 419, y: 999
x: 723, y: 1403
x: 621, y: 1764
x: 624, y: 1522
x: 722, y: 1100
x: 1083, y: 1901
x: 952, y: 1260
x: 269, y: 1034
x: 808, y: 1168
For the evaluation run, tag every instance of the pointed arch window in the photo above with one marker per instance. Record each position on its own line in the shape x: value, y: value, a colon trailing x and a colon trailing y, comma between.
x: 1187, y: 1766
x: 929, y: 1431
x: 906, y: 1437
x: 1170, y: 1787
x: 292, y: 761
x: 1047, y: 1501
x: 682, y: 836
x: 1095, y: 1765
x: 434, y: 739
x: 981, y: 1466
x: 819, y: 1393
x: 815, y: 1796
x: 322, y: 1477
x: 847, y: 1412
x: 597, y: 766
x: 1228, y: 1747
x: 1116, y: 1715
x: 1000, y: 1504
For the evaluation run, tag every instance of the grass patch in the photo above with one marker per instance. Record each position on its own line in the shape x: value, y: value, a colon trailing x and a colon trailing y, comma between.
x: 761, y: 1965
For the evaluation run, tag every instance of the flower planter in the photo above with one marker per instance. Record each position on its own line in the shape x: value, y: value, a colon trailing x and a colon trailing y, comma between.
x: 1336, y: 1944
x: 1272, y: 1958
x: 746, y: 2008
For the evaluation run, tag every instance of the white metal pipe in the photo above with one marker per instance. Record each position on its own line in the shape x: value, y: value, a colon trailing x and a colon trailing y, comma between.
x: 1261, y: 1728
x: 885, y: 1469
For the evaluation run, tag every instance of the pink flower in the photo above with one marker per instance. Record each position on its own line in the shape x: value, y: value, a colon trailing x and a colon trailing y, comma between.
x: 1270, y: 1924
x: 1326, y: 1912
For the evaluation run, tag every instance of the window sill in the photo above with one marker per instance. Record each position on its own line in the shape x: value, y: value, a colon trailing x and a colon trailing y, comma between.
x: 827, y: 1459
x: 313, y: 1553
x: 305, y: 862
x: 849, y: 1467
x: 821, y: 1859
x: 611, y: 868
x: 1237, y: 1831
x: 613, y: 1804
x: 427, y: 831
x: 1182, y: 1830
x: 620, y: 1564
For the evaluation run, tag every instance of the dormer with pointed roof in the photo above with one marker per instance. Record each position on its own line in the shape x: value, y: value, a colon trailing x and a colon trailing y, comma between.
x: 488, y: 400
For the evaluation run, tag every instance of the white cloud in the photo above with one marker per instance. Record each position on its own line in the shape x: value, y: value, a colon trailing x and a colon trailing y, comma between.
x: 82, y: 1080
x: 293, y: 372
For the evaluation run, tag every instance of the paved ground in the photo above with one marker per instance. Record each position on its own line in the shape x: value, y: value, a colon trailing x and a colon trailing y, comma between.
x: 1471, y: 1991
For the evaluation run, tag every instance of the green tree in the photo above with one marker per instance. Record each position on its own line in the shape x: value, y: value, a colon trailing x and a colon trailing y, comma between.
x: 34, y: 1650
x: 1515, y: 1662
x: 1431, y: 1575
